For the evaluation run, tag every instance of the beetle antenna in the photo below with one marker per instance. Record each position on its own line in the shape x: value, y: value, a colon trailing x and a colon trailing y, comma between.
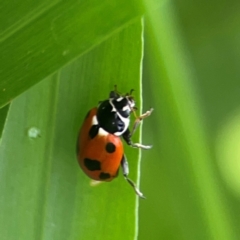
x: 116, y: 91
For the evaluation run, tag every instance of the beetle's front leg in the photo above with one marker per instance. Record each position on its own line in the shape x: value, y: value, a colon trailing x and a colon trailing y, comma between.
x: 128, y: 134
x: 139, y: 119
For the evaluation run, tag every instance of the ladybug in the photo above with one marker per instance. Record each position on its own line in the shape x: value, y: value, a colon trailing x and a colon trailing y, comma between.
x: 99, y: 147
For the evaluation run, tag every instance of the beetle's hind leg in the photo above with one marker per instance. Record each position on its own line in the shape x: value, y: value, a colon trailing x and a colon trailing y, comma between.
x: 125, y: 168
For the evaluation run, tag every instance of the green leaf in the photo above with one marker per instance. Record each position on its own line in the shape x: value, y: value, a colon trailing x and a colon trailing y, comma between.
x: 44, y: 193
x: 43, y: 37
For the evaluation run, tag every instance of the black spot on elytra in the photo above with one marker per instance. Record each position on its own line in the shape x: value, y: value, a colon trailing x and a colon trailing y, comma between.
x: 104, y: 176
x: 110, y: 147
x: 93, y: 131
x: 92, y: 165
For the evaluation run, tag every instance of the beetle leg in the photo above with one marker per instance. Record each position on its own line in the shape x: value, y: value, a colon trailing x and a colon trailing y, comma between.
x: 124, y: 164
x: 127, y: 135
x: 139, y: 119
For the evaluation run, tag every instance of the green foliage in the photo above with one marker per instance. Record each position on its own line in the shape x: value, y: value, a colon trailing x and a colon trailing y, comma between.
x: 45, y: 37
x: 44, y: 194
x: 82, y: 48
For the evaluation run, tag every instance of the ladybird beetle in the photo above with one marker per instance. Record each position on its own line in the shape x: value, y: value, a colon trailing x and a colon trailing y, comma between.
x: 99, y: 146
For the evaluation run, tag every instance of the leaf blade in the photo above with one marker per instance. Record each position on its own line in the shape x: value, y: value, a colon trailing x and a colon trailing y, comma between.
x: 56, y: 37
x: 58, y: 202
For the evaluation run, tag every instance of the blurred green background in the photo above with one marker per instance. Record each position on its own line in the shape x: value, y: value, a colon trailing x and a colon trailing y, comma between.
x: 175, y: 178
